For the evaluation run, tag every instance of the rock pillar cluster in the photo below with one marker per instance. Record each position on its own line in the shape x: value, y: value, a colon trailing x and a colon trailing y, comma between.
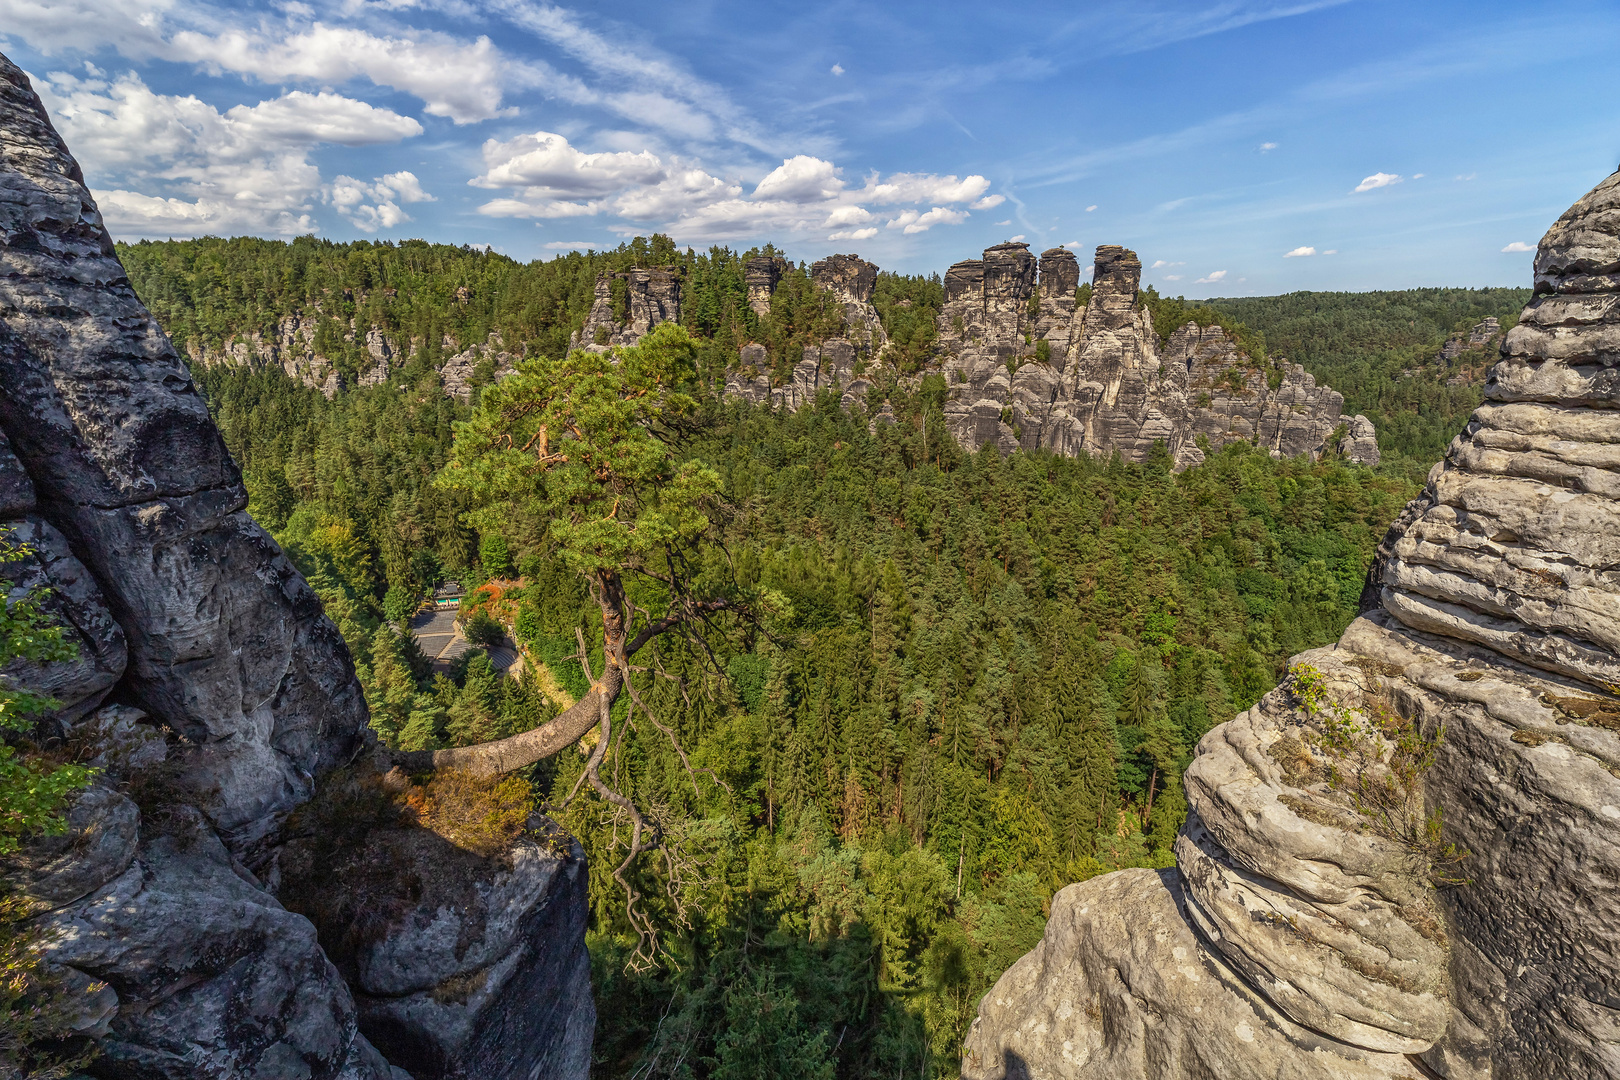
x: 652, y: 296
x: 1314, y: 926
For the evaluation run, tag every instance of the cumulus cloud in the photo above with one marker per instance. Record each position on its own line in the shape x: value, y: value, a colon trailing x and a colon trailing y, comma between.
x: 925, y: 187
x: 1299, y: 253
x: 1377, y: 180
x: 547, y: 169
x: 1016, y: 239
x: 1517, y: 247
x: 1090, y: 208
x: 163, y: 164
x: 546, y: 177
x: 1331, y: 251
x: 1173, y: 277
x: 989, y: 202
x: 1212, y: 278
x: 1157, y: 263
x: 801, y: 179
x: 1267, y: 147
x: 1072, y: 245
x: 570, y: 245
x: 374, y: 206
x: 838, y: 69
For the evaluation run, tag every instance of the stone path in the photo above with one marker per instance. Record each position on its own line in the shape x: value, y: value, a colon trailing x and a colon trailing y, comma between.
x: 440, y: 638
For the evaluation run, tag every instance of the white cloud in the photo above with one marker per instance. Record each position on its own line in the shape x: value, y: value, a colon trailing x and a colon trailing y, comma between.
x: 1089, y: 271
x: 1267, y: 147
x: 1072, y: 245
x: 1331, y: 251
x: 1377, y: 180
x: 1469, y: 176
x: 163, y: 164
x: 1299, y: 253
x: 1517, y: 247
x: 939, y: 215
x: 385, y: 193
x: 801, y: 179
x: 989, y: 202
x: 838, y: 69
x: 570, y: 245
x: 1157, y: 263
x: 1090, y: 208
x: 1007, y: 222
x: 544, y: 176
x: 1173, y: 277
x: 926, y: 187
x: 1016, y: 239
x: 1214, y: 276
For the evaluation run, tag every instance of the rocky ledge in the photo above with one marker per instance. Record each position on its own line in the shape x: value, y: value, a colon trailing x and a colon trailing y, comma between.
x: 1319, y: 924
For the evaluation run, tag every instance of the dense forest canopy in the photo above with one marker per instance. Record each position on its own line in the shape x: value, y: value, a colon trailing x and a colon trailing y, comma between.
x: 979, y: 678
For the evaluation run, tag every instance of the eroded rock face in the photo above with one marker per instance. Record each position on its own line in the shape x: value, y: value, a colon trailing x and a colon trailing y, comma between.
x: 1099, y: 381
x: 1491, y: 620
x: 225, y: 642
x: 652, y: 296
x: 115, y: 478
x: 1026, y: 369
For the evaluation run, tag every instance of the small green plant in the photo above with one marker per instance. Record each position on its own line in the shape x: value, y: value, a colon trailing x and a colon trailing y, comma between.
x: 1043, y: 351
x: 1378, y: 759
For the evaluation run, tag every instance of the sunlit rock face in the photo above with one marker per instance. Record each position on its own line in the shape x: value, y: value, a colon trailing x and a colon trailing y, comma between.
x: 1026, y: 367
x: 1297, y: 936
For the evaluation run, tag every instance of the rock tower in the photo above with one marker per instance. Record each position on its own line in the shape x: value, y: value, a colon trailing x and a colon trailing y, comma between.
x: 1307, y: 931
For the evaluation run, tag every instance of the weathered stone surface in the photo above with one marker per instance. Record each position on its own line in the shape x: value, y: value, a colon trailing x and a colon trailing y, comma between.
x: 1122, y: 988
x: 213, y: 977
x: 103, y: 828
x: 1491, y: 618
x: 464, y: 965
x: 226, y: 643
x: 72, y: 600
x: 457, y: 371
x: 652, y: 296
x: 761, y: 275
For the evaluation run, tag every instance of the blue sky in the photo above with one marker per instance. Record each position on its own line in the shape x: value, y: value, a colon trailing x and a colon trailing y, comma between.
x: 1239, y: 147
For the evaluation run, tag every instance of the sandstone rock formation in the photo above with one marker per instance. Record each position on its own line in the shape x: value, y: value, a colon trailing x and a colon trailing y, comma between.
x: 291, y: 348
x: 1025, y: 369
x: 457, y: 371
x: 1303, y: 934
x: 851, y: 281
x: 652, y: 296
x: 761, y: 276
x: 210, y: 690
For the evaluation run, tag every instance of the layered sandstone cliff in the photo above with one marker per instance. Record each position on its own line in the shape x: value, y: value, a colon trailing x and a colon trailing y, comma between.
x: 1026, y: 367
x: 216, y: 699
x: 1313, y: 926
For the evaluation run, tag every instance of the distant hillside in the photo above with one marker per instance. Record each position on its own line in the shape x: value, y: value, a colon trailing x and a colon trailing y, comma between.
x: 1378, y: 350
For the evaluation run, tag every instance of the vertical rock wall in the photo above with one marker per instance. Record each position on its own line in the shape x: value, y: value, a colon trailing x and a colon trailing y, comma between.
x: 1301, y: 935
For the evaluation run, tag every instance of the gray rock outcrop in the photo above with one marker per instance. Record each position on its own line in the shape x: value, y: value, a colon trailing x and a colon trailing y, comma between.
x: 1026, y: 368
x: 761, y: 275
x: 652, y: 296
x: 209, y: 689
x: 1305, y: 894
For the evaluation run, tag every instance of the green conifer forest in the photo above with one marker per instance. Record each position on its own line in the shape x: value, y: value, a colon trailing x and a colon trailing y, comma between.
x: 976, y: 679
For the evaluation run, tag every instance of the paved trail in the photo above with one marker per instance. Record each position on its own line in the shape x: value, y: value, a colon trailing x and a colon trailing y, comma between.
x: 440, y: 638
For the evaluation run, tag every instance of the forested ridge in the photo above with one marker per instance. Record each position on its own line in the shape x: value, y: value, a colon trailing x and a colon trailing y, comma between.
x: 1364, y: 344
x: 979, y: 678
